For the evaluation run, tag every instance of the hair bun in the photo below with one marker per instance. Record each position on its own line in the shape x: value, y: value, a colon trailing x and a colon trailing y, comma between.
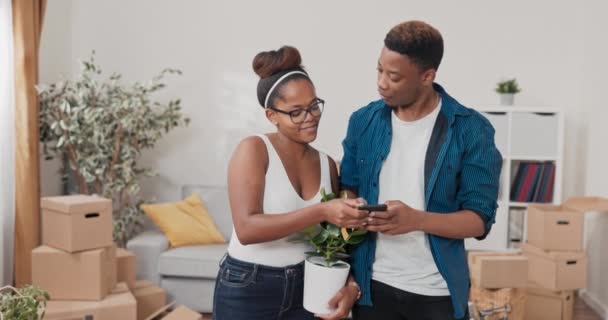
x: 267, y: 63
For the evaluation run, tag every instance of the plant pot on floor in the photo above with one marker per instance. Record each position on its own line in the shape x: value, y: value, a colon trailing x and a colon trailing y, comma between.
x: 321, y: 283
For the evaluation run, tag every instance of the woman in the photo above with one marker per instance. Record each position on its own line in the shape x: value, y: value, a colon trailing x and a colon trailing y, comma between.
x: 274, y: 182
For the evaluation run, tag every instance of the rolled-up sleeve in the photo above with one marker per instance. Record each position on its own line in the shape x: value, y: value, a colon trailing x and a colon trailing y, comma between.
x: 349, y: 176
x: 480, y: 175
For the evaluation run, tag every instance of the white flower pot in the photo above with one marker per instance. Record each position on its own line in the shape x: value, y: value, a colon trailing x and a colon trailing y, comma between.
x: 321, y: 283
x: 506, y: 99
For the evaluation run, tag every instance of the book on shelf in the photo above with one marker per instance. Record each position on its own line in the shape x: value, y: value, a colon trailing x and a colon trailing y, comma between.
x: 533, y: 182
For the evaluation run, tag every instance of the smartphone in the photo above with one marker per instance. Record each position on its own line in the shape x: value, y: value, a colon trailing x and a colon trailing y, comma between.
x: 373, y: 207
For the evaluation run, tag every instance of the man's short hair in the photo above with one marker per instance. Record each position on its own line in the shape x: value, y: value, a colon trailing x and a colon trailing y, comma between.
x: 417, y: 40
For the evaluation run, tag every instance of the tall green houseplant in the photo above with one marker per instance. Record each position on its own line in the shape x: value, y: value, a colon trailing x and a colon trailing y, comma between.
x: 102, y: 126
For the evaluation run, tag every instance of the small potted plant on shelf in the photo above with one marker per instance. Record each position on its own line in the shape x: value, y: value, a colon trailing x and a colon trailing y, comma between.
x: 325, y: 270
x: 507, y: 90
x: 27, y: 303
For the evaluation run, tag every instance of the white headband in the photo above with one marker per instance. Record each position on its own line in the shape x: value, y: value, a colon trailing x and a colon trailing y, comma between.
x: 277, y: 83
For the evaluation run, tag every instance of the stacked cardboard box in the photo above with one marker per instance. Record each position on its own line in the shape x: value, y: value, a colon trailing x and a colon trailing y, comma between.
x: 149, y: 298
x: 557, y: 261
x: 179, y: 313
x: 85, y: 275
x: 119, y: 305
x: 126, y: 267
x: 78, y: 258
x: 80, y: 267
x: 549, y: 304
x: 498, y: 284
x: 494, y: 270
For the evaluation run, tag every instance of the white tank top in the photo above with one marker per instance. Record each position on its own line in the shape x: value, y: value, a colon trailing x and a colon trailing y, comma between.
x: 280, y: 197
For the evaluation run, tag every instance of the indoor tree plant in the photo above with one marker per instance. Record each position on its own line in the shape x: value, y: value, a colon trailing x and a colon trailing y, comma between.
x: 101, y: 127
x: 325, y: 271
x: 27, y: 303
x: 507, y: 90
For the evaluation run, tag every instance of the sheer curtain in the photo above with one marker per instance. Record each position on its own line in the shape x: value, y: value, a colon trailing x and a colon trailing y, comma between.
x: 7, y: 144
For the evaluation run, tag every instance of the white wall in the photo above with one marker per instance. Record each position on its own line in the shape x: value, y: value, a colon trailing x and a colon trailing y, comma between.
x: 595, y: 69
x: 552, y: 47
x: 214, y: 43
x: 55, y: 58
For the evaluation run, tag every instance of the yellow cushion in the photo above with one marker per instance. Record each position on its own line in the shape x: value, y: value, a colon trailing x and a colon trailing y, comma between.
x: 185, y: 222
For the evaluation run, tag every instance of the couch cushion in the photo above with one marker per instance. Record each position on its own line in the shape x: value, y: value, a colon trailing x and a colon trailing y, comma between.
x: 217, y: 202
x: 192, y: 261
x: 185, y: 223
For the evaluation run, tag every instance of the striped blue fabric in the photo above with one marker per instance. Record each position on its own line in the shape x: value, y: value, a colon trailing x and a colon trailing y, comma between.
x: 462, y: 171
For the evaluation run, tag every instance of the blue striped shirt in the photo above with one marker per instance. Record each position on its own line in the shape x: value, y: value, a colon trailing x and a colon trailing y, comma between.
x: 461, y: 172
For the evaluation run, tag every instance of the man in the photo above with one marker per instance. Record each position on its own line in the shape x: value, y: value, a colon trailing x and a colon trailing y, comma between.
x: 434, y: 163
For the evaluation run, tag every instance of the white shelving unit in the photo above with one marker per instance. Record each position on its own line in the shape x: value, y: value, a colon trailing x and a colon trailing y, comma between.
x: 523, y: 134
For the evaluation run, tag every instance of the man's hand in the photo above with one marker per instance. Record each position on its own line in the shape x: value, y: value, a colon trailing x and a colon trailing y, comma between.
x: 399, y: 218
x: 343, y: 301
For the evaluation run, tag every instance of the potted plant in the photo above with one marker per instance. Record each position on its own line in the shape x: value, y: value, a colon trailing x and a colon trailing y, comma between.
x: 101, y: 126
x: 27, y: 303
x: 325, y: 271
x: 507, y: 90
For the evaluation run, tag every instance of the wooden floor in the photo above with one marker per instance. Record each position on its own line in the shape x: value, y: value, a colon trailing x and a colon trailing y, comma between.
x: 581, y: 312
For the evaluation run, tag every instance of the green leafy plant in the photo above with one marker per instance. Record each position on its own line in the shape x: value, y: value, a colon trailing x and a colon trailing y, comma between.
x: 331, y: 241
x: 508, y: 86
x: 101, y: 126
x: 27, y: 303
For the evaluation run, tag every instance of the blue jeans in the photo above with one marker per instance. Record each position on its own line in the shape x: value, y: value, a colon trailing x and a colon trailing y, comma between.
x: 250, y: 291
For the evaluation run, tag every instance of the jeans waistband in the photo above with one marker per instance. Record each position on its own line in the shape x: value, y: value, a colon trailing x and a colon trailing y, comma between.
x: 295, y: 268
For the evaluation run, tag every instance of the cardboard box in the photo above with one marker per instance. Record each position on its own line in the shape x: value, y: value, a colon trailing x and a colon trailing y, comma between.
x: 498, y: 270
x: 76, y: 223
x: 120, y: 305
x: 560, y: 227
x: 149, y: 298
x: 85, y: 275
x: 556, y: 270
x: 472, y: 254
x: 179, y: 313
x: 143, y: 283
x: 126, y: 267
x: 183, y: 313
x: 162, y: 312
x: 112, y: 266
x: 498, y: 304
x: 543, y: 304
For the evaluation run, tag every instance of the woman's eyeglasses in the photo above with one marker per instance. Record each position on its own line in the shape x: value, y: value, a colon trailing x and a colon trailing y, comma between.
x: 299, y: 115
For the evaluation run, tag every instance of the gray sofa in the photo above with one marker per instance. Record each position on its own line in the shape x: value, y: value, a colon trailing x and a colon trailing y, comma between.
x: 187, y: 273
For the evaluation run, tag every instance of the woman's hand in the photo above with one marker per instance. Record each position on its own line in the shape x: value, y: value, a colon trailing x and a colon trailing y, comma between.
x: 343, y: 302
x: 399, y: 218
x: 344, y: 213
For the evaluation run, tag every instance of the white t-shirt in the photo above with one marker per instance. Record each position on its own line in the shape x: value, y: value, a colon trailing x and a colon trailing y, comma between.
x: 405, y: 261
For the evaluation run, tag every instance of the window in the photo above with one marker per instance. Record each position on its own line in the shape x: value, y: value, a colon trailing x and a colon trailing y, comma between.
x: 7, y: 144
